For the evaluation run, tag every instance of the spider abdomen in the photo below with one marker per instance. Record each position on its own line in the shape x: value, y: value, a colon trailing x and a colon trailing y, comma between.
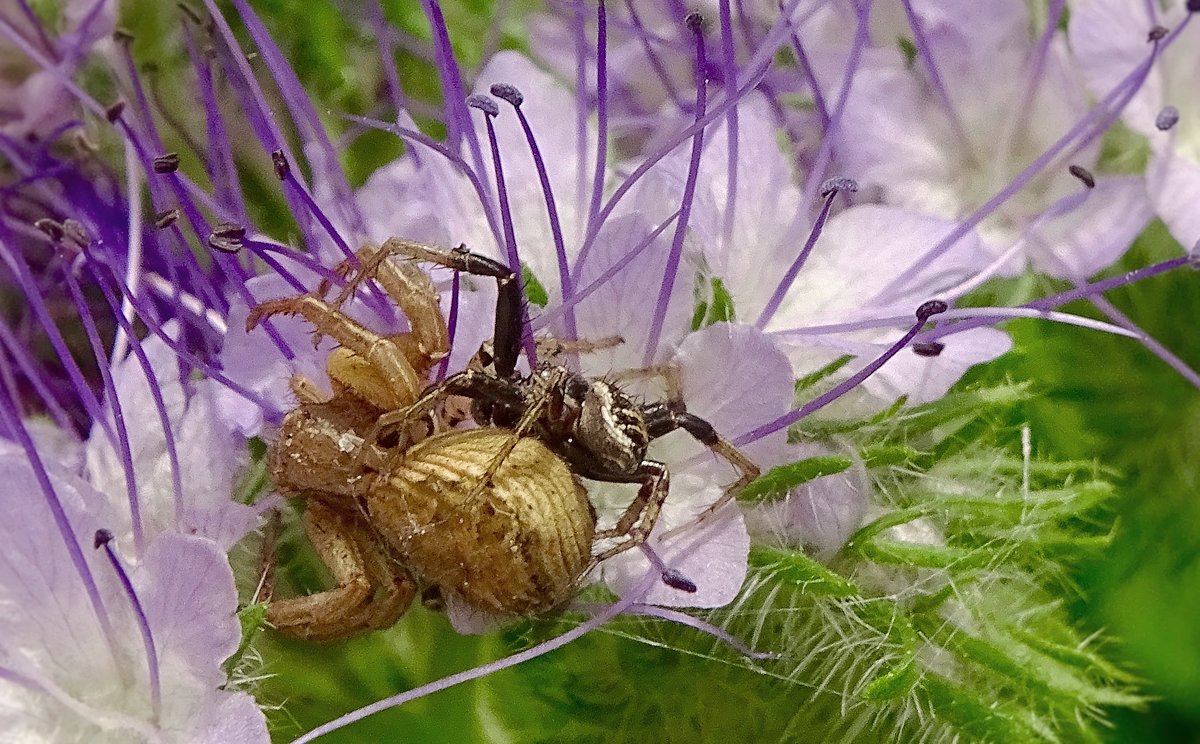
x: 515, y: 546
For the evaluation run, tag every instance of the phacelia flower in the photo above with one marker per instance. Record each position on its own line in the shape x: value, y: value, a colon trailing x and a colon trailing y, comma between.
x: 766, y: 216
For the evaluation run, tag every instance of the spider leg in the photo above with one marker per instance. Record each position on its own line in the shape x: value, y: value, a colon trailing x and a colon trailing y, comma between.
x: 468, y: 383
x: 349, y: 606
x: 396, y: 382
x: 305, y: 390
x: 506, y: 336
x: 639, y: 518
x: 663, y: 418
x: 408, y: 286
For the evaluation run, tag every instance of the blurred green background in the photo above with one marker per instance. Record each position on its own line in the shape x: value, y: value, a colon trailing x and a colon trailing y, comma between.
x: 1099, y: 397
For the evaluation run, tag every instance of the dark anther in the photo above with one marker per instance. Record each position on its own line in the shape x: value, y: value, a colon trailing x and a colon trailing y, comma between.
x: 227, y: 238
x: 168, y: 163
x: 74, y: 231
x: 113, y: 112
x: 928, y: 348
x: 931, y: 308
x: 103, y: 537
x: 1084, y: 175
x: 508, y: 93
x: 840, y: 183
x: 1167, y: 118
x: 166, y: 218
x: 696, y: 23
x: 1192, y: 6
x: 484, y: 104
x: 52, y: 229
x: 282, y: 166
x: 676, y: 580
x: 1158, y: 33
x: 122, y: 35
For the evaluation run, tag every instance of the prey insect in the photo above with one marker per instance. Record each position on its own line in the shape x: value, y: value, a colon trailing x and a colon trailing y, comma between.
x: 497, y: 515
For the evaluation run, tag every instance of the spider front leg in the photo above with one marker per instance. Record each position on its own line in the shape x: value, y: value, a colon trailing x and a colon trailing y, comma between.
x: 664, y: 418
x: 359, y: 567
x: 409, y: 287
x: 507, y: 330
x: 372, y: 365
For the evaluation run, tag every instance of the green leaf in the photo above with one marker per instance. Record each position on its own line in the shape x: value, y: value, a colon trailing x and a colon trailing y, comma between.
x: 797, y: 569
x: 782, y: 478
x: 813, y: 378
x: 251, y: 619
x: 534, y: 291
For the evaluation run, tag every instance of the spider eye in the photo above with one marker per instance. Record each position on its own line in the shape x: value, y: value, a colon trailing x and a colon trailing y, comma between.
x: 612, y: 428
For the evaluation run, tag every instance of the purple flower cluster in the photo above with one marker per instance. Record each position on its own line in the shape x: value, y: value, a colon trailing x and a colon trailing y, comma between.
x: 748, y: 196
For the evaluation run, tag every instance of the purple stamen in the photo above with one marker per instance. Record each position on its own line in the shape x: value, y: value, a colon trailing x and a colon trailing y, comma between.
x: 707, y: 628
x: 924, y: 313
x: 160, y: 405
x: 11, y: 416
x: 31, y: 370
x: 303, y: 114
x: 489, y: 108
x: 695, y: 24
x: 457, y: 118
x: 420, y: 138
x: 925, y: 54
x: 510, y: 94
x: 656, y: 63
x: 601, y: 113
x: 965, y: 225
x: 825, y: 152
x: 829, y: 190
x: 729, y: 68
x: 1034, y: 76
x: 670, y: 576
x: 451, y: 325
x: 222, y: 172
x: 114, y: 407
x: 608, y: 274
x: 147, y: 315
x: 581, y: 101
x: 810, y: 76
x: 104, y: 540
x: 756, y: 69
x: 42, y: 316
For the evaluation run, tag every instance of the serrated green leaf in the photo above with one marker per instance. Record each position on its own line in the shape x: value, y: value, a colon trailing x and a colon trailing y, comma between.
x: 782, y: 478
x: 897, y: 681
x: 813, y: 378
x: 797, y: 569
x: 918, y: 555
x: 887, y: 455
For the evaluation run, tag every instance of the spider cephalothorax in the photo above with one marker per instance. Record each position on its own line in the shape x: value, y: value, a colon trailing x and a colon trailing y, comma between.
x: 397, y: 500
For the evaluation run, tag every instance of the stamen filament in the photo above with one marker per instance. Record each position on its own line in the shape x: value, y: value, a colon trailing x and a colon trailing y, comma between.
x: 104, y: 540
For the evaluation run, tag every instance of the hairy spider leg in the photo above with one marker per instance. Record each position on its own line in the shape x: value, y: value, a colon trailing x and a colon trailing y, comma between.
x: 360, y: 567
x: 638, y: 520
x: 409, y: 287
x: 387, y: 380
x: 507, y: 329
x: 469, y: 383
x: 664, y: 418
